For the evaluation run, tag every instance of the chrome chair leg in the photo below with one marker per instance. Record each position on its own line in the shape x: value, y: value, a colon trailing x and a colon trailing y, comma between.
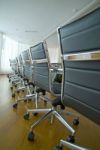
x: 63, y: 121
x: 49, y: 112
x: 31, y: 132
x: 26, y: 98
x: 71, y: 145
x: 35, y: 112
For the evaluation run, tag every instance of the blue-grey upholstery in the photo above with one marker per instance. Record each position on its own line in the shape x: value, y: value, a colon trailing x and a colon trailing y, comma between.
x: 56, y: 88
x: 20, y: 59
x: 14, y: 65
x: 82, y: 78
x: 27, y: 65
x: 37, y: 52
x: 40, y: 70
x: 20, y: 68
x: 56, y: 78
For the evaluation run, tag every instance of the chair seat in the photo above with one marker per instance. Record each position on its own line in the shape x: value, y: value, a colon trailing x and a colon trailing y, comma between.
x: 57, y: 102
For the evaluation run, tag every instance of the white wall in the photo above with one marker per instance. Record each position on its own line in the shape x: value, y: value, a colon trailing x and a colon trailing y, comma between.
x: 9, y: 49
x: 22, y: 47
x: 53, y: 48
x: 1, y: 44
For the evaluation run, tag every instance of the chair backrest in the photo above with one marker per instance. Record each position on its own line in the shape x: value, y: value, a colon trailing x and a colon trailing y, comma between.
x: 56, y: 78
x: 20, y: 65
x: 20, y: 60
x: 27, y: 65
x: 80, y: 46
x: 40, y: 66
x: 14, y: 64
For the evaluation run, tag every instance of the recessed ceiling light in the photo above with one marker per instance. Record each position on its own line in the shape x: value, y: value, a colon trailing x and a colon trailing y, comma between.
x: 75, y: 10
x: 31, y: 31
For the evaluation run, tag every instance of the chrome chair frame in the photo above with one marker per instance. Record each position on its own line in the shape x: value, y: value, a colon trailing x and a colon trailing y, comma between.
x: 51, y: 111
x: 25, y: 86
x: 87, y: 56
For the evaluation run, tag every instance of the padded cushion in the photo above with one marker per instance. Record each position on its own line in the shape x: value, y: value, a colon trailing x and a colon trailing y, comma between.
x: 20, y: 59
x: 81, y: 35
x: 20, y: 70
x: 40, y: 70
x: 82, y: 78
x: 25, y: 55
x: 41, y: 75
x: 38, y: 52
x: 57, y: 102
x: 27, y: 66
x: 14, y: 65
x: 56, y: 88
x: 28, y: 71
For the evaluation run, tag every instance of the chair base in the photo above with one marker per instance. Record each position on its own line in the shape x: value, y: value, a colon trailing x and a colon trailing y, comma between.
x: 71, y: 145
x: 50, y: 112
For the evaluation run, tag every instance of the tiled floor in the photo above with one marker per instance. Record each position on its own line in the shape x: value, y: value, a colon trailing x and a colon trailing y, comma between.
x: 14, y: 129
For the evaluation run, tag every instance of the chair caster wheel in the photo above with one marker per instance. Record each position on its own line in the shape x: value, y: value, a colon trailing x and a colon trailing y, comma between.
x: 32, y: 92
x: 58, y: 148
x: 71, y: 139
x: 31, y: 136
x: 11, y: 88
x: 15, y: 85
x: 13, y: 95
x: 35, y: 114
x: 9, y: 80
x: 45, y: 102
x: 76, y: 121
x: 23, y: 91
x: 26, y: 116
x: 25, y: 100
x: 18, y: 92
x: 15, y: 105
x: 29, y: 100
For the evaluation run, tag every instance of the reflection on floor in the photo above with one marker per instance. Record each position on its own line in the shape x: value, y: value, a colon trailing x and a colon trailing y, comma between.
x: 14, y: 129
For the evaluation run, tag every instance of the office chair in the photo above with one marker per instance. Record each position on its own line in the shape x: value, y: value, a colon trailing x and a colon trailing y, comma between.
x: 21, y: 84
x: 20, y: 66
x: 14, y: 77
x: 12, y: 61
x: 80, y: 46
x: 14, y: 66
x: 41, y: 78
x: 28, y: 71
x: 36, y: 53
x: 26, y: 74
x: 19, y: 75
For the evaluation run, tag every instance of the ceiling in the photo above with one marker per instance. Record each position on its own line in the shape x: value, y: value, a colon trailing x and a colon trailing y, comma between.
x: 31, y: 21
